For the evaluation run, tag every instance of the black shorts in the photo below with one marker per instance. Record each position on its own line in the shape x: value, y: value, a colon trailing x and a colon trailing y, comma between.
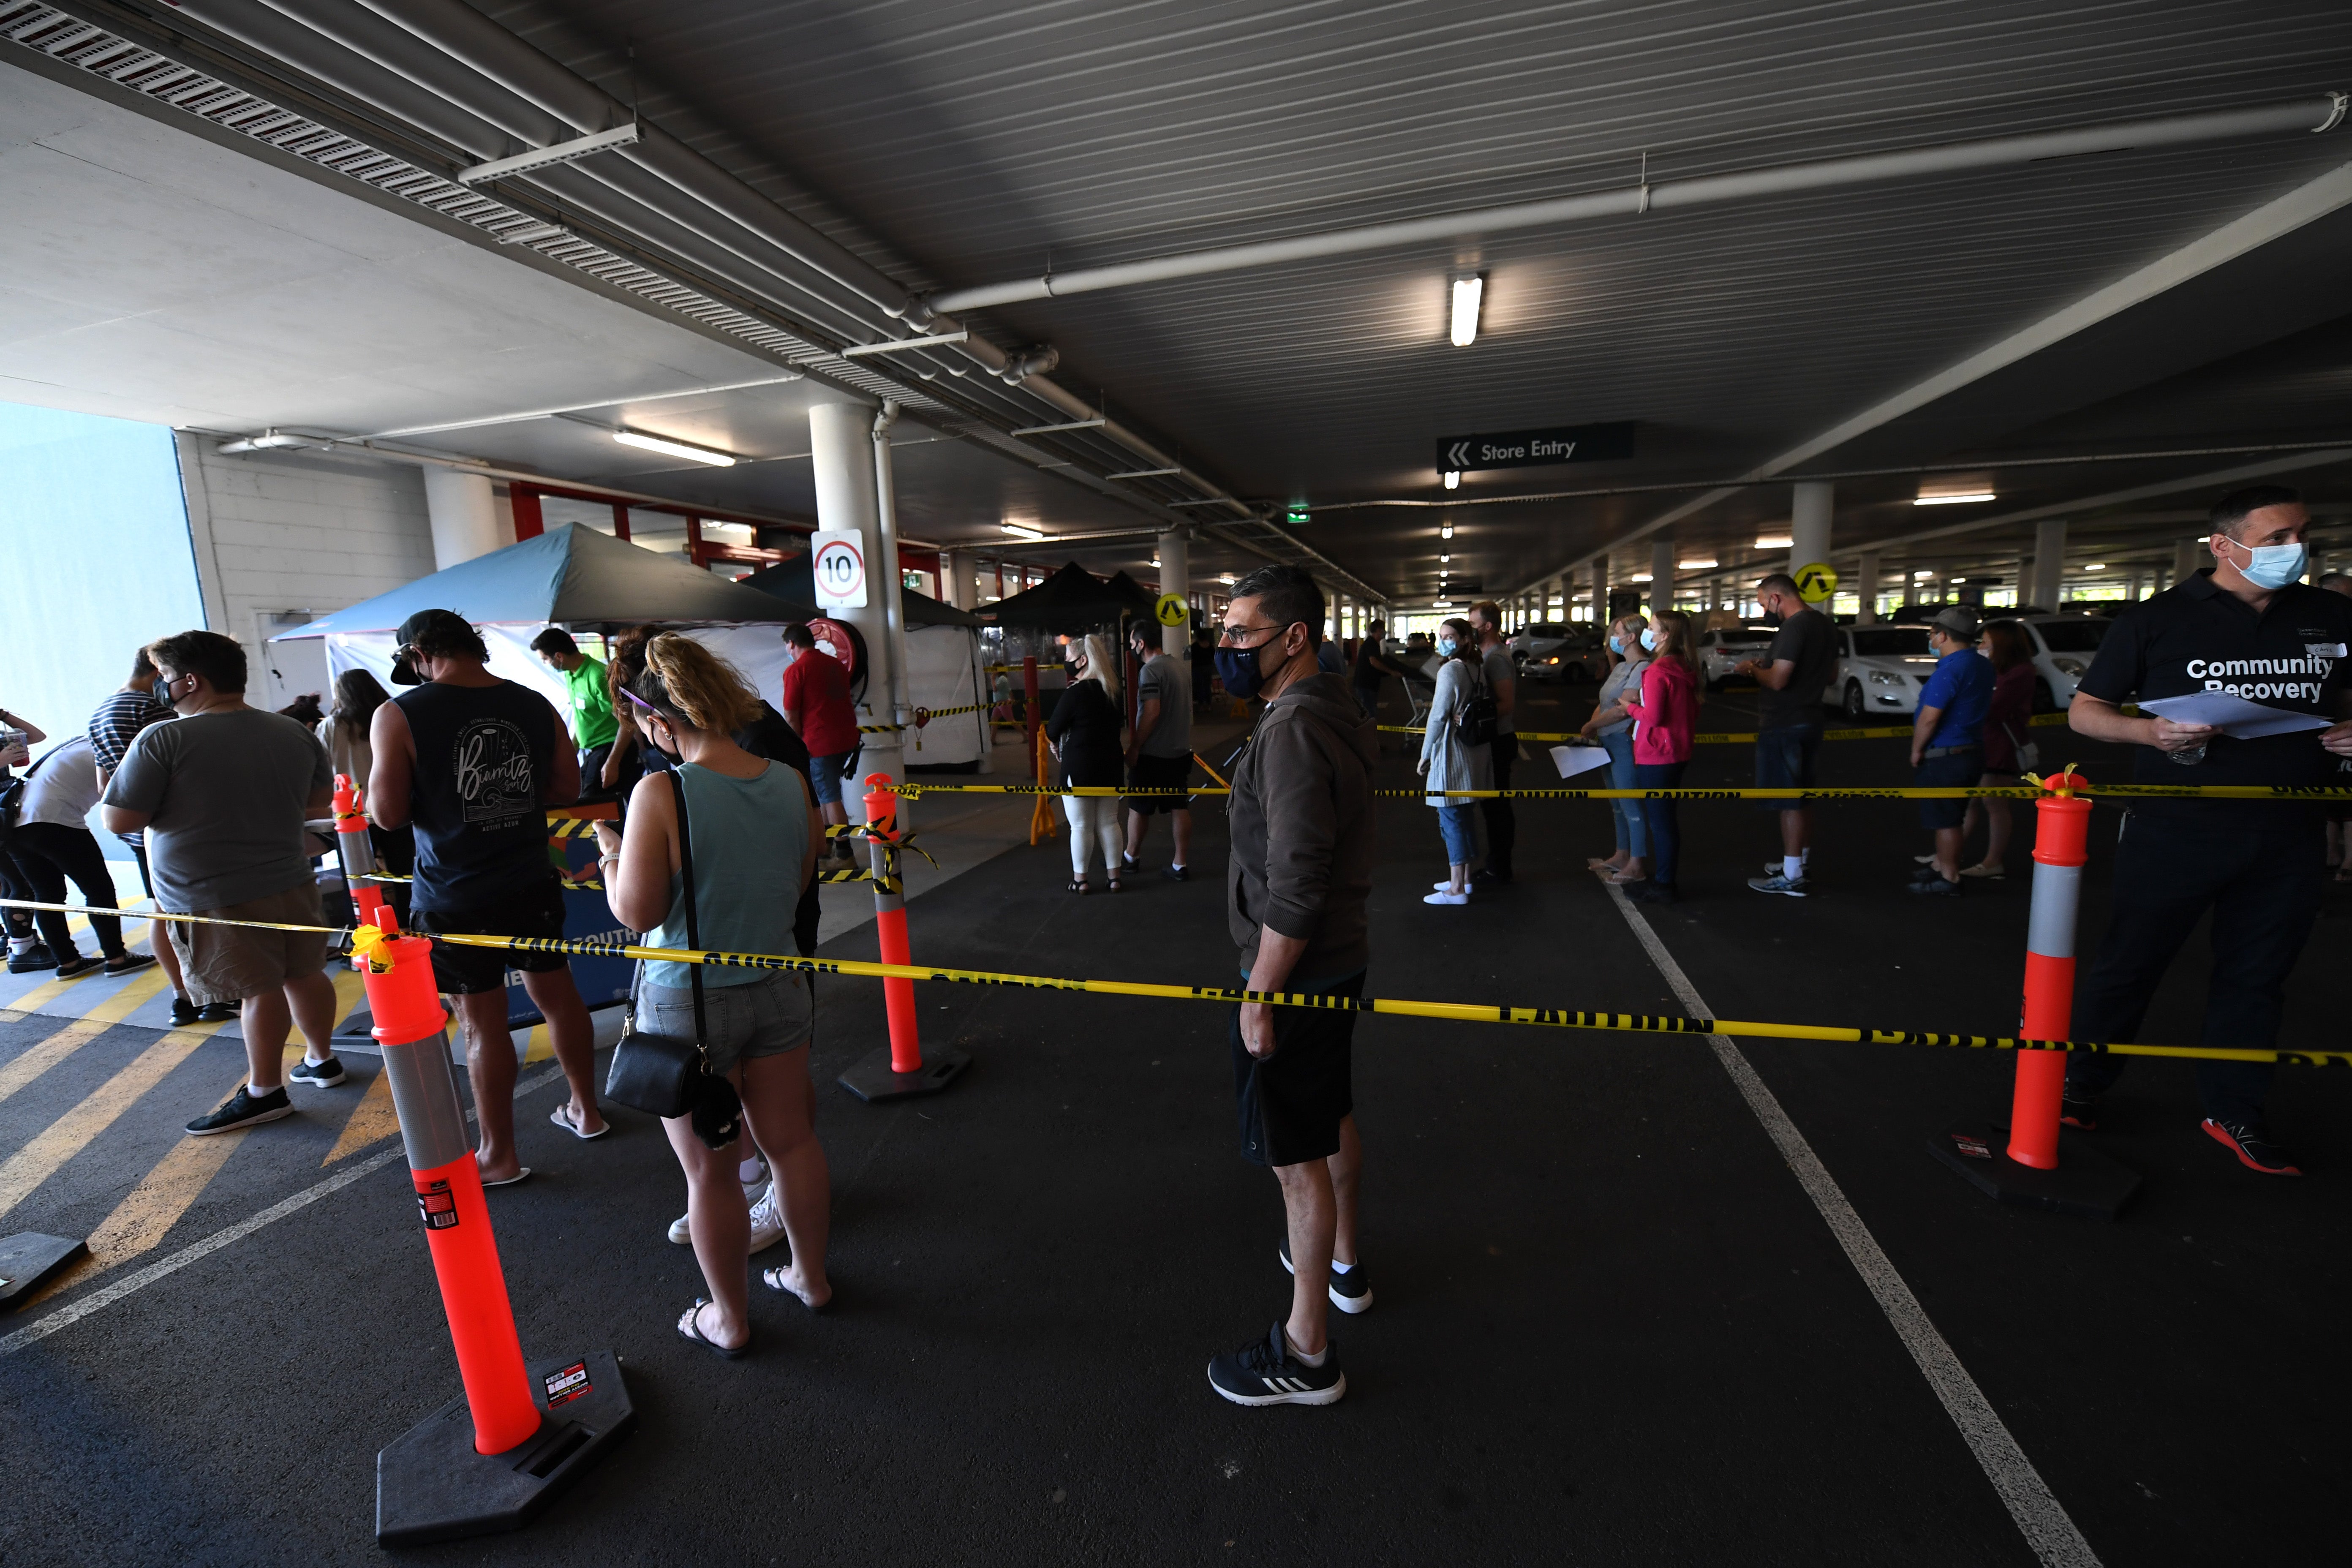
x: 1292, y: 1102
x: 1784, y: 760
x: 1159, y: 772
x: 1960, y: 768
x: 467, y: 971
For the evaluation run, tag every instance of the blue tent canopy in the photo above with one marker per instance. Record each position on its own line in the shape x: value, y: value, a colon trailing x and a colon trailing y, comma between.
x: 571, y: 576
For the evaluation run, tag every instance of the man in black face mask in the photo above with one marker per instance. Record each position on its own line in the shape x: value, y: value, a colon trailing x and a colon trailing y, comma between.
x: 1301, y: 879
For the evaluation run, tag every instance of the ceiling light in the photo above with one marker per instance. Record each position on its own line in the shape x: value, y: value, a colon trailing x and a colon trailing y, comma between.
x: 1444, y: 530
x: 1453, y: 480
x: 1226, y: 578
x: 669, y: 448
x: 1921, y: 575
x: 1021, y: 531
x: 1443, y: 556
x: 1958, y: 498
x: 2097, y: 566
x: 1695, y: 565
x: 1774, y: 542
x: 1466, y: 294
x: 1642, y: 577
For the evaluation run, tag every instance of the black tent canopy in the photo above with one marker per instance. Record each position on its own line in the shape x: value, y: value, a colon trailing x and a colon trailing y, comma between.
x: 1073, y: 600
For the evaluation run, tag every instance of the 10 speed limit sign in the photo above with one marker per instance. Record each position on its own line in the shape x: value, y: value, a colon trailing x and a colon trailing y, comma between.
x: 837, y: 560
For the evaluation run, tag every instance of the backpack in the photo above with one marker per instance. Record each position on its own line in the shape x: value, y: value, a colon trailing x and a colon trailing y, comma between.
x: 1478, y: 723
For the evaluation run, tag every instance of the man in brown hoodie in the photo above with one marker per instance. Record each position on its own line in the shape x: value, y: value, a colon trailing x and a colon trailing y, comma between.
x: 1296, y: 892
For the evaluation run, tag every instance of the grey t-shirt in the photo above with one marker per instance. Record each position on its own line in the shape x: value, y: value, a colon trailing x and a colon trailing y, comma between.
x: 1164, y: 677
x: 1627, y: 677
x: 1806, y: 640
x: 1502, y: 676
x: 228, y: 792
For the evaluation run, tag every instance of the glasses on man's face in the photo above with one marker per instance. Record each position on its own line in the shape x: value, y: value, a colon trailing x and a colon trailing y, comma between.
x: 1232, y: 636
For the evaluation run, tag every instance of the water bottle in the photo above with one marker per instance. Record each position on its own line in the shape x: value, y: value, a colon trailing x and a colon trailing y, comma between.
x: 2190, y: 756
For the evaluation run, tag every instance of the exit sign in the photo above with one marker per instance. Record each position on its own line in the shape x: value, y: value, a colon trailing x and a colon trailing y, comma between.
x: 1536, y: 449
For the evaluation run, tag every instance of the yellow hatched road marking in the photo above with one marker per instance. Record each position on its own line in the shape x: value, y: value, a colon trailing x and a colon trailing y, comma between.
x: 70, y: 1133
x: 148, y: 1211
x: 372, y: 1121
x: 110, y: 1006
x: 23, y: 1069
x: 540, y: 1047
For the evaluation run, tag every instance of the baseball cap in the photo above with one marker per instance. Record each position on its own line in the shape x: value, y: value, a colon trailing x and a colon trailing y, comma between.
x: 1959, y: 620
x: 412, y: 630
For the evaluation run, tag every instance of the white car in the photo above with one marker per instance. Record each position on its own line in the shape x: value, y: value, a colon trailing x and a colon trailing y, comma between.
x: 1549, y: 651
x: 1880, y: 669
x: 2063, y: 647
x: 1719, y: 653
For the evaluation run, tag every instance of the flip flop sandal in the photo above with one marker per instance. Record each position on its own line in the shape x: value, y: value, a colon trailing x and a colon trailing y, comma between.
x: 509, y: 1181
x: 561, y: 1119
x: 773, y: 1278
x: 690, y: 1329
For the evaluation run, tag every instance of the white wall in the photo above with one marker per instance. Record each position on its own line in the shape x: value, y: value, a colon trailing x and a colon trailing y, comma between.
x: 279, y: 533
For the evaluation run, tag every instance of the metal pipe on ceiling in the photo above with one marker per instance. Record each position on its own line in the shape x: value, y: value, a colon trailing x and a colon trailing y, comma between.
x: 2306, y: 114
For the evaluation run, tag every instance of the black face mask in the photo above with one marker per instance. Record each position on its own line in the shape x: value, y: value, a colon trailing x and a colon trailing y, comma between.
x: 160, y: 692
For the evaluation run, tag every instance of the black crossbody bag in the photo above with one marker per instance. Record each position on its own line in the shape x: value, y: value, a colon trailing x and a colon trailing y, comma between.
x: 669, y: 1074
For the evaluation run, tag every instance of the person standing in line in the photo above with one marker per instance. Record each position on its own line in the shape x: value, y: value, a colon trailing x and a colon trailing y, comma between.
x: 128, y: 710
x: 2251, y: 628
x: 745, y: 816
x: 26, y: 951
x: 1084, y: 732
x: 588, y: 693
x: 1452, y: 756
x: 1947, y: 740
x: 51, y: 843
x: 222, y: 794
x: 817, y: 706
x: 344, y: 732
x: 1296, y: 900
x: 1793, y: 673
x: 1613, y: 728
x: 1372, y: 670
x: 472, y: 762
x: 1664, y: 715
x: 2007, y: 723
x: 1158, y: 753
x: 1502, y: 680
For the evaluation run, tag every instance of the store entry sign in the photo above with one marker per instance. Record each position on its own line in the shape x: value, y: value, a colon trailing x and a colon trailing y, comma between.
x: 1536, y: 449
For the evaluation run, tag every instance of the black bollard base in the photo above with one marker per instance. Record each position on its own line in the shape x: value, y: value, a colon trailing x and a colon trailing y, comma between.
x: 431, y: 1486
x: 2086, y: 1184
x: 30, y: 1260
x: 871, y: 1079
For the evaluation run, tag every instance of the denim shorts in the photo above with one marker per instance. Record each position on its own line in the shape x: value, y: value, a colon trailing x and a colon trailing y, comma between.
x: 762, y: 1017
x: 1784, y: 760
x: 1964, y: 767
x: 825, y: 775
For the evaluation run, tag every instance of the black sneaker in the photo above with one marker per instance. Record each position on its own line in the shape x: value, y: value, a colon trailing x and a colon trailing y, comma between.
x: 1264, y: 1372
x: 1653, y: 893
x: 1350, y: 1292
x: 79, y: 964
x: 2074, y: 1111
x: 1935, y: 886
x: 317, y: 1075
x: 218, y: 1013
x: 27, y: 960
x: 1176, y: 873
x: 242, y: 1110
x: 184, y: 1011
x: 1494, y: 876
x: 2250, y: 1143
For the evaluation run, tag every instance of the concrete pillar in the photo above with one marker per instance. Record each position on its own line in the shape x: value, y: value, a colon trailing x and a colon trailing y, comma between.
x: 955, y: 568
x: 464, y: 515
x: 1600, y: 592
x: 1866, y: 588
x: 1662, y: 574
x: 2132, y: 582
x: 842, y: 456
x: 1176, y: 577
x: 2049, y: 562
x: 2188, y: 557
x: 1809, y: 523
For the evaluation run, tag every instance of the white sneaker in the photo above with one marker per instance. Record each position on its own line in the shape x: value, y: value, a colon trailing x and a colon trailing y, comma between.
x: 1444, y: 897
x: 767, y: 1221
x: 1441, y: 887
x: 755, y: 1192
x: 679, y: 1235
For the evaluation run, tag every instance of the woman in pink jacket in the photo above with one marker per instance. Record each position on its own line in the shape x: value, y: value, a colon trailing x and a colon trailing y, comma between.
x: 1664, y: 715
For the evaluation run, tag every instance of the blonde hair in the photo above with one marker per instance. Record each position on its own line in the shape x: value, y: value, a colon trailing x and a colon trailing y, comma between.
x: 1102, y: 664
x: 685, y: 680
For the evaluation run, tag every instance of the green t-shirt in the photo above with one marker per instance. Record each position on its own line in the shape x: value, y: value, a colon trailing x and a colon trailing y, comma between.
x: 592, y: 704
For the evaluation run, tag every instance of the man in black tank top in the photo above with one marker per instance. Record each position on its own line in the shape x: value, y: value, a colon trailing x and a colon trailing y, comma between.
x: 472, y: 762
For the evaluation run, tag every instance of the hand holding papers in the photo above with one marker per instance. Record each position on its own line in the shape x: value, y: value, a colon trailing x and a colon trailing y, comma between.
x: 2233, y: 716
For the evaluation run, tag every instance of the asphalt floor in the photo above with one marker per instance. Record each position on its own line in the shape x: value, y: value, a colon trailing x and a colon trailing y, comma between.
x: 1610, y: 1325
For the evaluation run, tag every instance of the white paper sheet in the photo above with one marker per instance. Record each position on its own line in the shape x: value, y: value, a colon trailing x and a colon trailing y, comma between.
x: 2232, y: 715
x: 1573, y: 760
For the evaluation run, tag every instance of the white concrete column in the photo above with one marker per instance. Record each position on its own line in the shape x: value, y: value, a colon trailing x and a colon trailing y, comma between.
x: 1809, y: 523
x: 1662, y: 574
x: 2049, y: 561
x: 1865, y: 587
x: 1176, y: 577
x: 955, y: 571
x: 842, y: 456
x: 2189, y: 558
x: 464, y: 515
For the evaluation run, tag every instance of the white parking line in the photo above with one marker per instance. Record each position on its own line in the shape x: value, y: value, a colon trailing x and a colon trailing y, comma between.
x: 2038, y: 1514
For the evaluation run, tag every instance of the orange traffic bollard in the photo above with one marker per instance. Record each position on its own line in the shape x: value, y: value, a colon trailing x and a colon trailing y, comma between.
x: 490, y: 1461
x: 902, y: 1069
x: 355, y: 851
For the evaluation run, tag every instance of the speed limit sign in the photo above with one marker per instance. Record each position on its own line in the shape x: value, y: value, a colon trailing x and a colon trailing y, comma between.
x: 837, y: 560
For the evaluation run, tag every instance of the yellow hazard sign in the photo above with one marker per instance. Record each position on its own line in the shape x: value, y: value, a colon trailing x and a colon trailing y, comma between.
x: 1815, y: 581
x: 1173, y: 611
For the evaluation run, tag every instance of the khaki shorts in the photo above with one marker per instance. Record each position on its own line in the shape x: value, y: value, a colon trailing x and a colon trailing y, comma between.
x: 229, y: 964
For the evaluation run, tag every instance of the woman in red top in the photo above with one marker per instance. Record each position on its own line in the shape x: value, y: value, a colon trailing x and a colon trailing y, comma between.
x: 816, y: 704
x: 1664, y: 716
x: 2006, y: 726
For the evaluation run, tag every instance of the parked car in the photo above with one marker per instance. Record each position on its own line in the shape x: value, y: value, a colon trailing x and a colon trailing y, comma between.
x: 2063, y: 647
x: 1552, y: 650
x: 1880, y: 669
x: 1720, y: 652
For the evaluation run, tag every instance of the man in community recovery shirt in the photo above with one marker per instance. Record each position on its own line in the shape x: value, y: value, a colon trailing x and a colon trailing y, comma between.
x: 2252, y: 628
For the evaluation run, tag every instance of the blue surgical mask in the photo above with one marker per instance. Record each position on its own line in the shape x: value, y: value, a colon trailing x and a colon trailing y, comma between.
x: 1649, y: 640
x: 2271, y: 565
x: 1447, y: 647
x: 1616, y: 645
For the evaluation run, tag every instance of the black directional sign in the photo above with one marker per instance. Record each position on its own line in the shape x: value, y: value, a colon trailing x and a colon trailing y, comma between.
x: 1536, y: 449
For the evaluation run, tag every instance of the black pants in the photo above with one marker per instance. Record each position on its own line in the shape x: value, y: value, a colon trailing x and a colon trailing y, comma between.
x: 46, y: 854
x: 19, y: 921
x: 2260, y: 869
x: 1502, y: 828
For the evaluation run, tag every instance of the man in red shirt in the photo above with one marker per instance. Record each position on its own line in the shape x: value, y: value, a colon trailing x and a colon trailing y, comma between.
x: 816, y: 704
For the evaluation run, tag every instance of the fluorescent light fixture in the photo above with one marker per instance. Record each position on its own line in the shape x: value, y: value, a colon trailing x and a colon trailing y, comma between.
x: 1696, y: 565
x: 2097, y: 566
x: 1453, y: 480
x: 669, y: 448
x: 1921, y: 575
x: 1467, y: 291
x: 1444, y: 555
x: 1226, y: 578
x: 1441, y: 605
x: 1444, y: 530
x: 1021, y: 531
x: 1774, y: 542
x: 1642, y: 577
x: 543, y: 157
x: 1958, y: 498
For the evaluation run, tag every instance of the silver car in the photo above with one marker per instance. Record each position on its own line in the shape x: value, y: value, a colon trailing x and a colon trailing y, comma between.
x: 1552, y: 650
x: 1880, y: 669
x: 2063, y: 647
x: 1721, y: 652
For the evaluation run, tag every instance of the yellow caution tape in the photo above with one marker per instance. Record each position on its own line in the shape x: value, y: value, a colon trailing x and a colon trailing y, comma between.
x: 1453, y: 1012
x: 1727, y: 738
x: 1890, y: 792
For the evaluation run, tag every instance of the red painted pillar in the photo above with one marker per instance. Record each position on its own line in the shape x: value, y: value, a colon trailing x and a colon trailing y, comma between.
x: 524, y: 500
x: 620, y: 520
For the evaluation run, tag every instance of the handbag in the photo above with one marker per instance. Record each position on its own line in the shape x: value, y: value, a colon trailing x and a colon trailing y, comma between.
x: 2029, y: 753
x: 669, y: 1074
